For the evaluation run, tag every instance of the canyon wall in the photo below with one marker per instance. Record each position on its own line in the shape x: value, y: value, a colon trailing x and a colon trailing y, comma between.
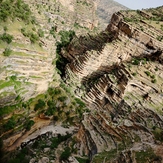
x: 118, y: 73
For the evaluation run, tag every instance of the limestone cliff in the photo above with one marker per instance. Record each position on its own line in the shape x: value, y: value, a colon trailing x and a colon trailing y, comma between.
x: 119, y: 74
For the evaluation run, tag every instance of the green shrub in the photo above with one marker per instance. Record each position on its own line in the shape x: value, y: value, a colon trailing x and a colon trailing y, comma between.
x: 141, y: 28
x: 14, y: 160
x: 24, y: 32
x: 55, y: 118
x: 134, y: 74
x: 153, y: 76
x: 13, y: 77
x: 40, y: 105
x: 51, y: 108
x: 82, y: 160
x: 29, y: 124
x: 153, y: 80
x: 62, y: 98
x: 40, y: 44
x: 156, y: 69
x: 147, y: 73
x: 66, y: 37
x: 7, y: 52
x: 20, y: 157
x: 53, y: 31
x: 135, y: 61
x: 159, y: 38
x: 6, y: 38
x: 65, y: 154
x: 57, y: 140
x: 158, y: 134
x: 40, y: 33
x: 147, y: 156
x: 33, y: 38
x: 54, y: 91
x: 80, y: 102
x: 144, y: 61
x: 35, y: 144
x: 18, y: 98
x: 10, y: 124
x: 128, y: 19
x: 5, y: 28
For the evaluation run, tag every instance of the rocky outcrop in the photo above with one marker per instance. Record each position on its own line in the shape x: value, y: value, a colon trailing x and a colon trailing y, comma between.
x: 120, y: 78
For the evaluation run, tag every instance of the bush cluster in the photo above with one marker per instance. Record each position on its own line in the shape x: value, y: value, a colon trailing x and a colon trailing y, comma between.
x: 10, y: 124
x: 7, y: 52
x: 6, y: 38
x: 29, y: 124
x: 40, y: 105
x: 34, y: 37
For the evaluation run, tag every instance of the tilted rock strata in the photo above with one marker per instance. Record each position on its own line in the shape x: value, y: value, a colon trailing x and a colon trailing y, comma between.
x: 125, y: 97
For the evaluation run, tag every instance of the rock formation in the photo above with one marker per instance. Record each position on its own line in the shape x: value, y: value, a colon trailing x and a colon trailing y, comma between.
x: 116, y: 72
x: 119, y: 75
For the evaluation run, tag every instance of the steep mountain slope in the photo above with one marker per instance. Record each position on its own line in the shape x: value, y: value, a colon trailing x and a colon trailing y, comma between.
x: 22, y: 56
x: 119, y: 74
x: 32, y: 94
x: 105, y: 9
x: 27, y: 69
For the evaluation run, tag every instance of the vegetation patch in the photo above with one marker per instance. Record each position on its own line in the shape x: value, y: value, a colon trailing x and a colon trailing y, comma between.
x: 82, y: 160
x: 147, y: 156
x: 65, y: 154
x: 11, y: 123
x: 15, y: 9
x: 108, y: 156
x: 6, y: 38
x: 66, y: 37
x: 158, y: 133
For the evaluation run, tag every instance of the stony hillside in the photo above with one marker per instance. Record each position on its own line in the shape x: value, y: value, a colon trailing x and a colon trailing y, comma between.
x: 105, y: 9
x: 119, y: 74
x: 26, y: 59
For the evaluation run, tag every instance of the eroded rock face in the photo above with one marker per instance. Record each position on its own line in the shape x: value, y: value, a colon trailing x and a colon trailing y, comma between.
x: 119, y: 74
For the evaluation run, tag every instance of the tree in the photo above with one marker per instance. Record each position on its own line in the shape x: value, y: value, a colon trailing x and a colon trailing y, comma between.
x: 65, y: 154
x: 7, y: 52
x: 6, y: 38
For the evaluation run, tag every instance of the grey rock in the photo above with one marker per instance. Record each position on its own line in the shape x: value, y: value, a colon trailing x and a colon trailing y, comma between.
x: 44, y: 160
x: 32, y: 160
x: 46, y: 150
